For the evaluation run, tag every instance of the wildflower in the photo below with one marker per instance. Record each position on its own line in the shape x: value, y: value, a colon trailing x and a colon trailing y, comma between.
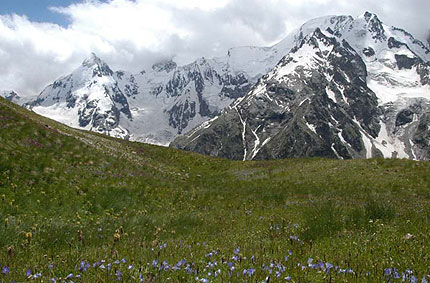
x: 5, y: 270
x: 328, y: 266
x: 123, y: 260
x: 188, y: 269
x: 69, y: 276
x: 396, y: 274
x: 249, y: 272
x: 236, y: 251
x: 154, y: 263
x: 53, y: 280
x: 28, y: 236
x: 181, y: 262
x: 28, y: 273
x: 116, y: 237
x: 130, y: 267
x: 165, y: 266
x: 37, y: 275
x: 118, y: 275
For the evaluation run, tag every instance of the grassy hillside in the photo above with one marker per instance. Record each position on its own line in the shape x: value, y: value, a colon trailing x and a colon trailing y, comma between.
x: 84, y: 207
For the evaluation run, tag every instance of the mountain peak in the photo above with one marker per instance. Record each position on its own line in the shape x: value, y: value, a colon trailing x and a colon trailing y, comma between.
x: 167, y: 66
x: 92, y: 60
x: 100, y: 68
x: 374, y: 25
x: 10, y: 95
x: 369, y: 15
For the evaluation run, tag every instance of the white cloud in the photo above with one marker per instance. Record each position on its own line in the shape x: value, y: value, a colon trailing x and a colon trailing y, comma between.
x: 134, y: 34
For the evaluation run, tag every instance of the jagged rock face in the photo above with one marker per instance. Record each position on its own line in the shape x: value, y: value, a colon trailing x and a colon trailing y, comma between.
x: 11, y: 96
x: 341, y: 101
x: 356, y: 90
x: 299, y: 110
x: 89, y: 98
x: 156, y: 105
x: 407, y: 122
x: 170, y: 100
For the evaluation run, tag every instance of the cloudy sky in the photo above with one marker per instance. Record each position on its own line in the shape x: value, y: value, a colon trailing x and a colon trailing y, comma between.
x: 41, y: 40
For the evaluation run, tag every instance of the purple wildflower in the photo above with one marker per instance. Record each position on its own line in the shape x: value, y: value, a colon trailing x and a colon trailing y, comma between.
x: 118, y: 275
x: 387, y: 271
x: 249, y: 272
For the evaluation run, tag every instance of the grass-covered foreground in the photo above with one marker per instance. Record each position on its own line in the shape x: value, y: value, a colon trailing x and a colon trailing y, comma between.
x: 81, y: 207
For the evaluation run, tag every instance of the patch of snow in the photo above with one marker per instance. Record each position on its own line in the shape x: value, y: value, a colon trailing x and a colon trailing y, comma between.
x: 330, y: 94
x: 388, y: 145
x: 335, y: 152
x: 311, y: 127
x: 243, y: 122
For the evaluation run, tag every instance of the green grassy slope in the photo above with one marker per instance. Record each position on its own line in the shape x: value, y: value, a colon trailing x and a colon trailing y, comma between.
x: 74, y: 204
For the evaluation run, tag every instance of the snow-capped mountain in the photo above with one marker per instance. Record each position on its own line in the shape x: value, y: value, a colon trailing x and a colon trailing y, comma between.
x: 89, y: 98
x: 11, y: 96
x: 156, y: 105
x: 159, y: 104
x: 353, y: 89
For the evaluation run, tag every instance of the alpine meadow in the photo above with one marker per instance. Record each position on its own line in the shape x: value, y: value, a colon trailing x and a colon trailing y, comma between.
x: 229, y: 141
x: 80, y: 206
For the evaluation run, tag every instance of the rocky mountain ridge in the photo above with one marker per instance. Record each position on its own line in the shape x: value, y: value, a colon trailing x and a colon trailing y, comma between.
x: 158, y: 104
x: 338, y: 87
x: 359, y: 89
